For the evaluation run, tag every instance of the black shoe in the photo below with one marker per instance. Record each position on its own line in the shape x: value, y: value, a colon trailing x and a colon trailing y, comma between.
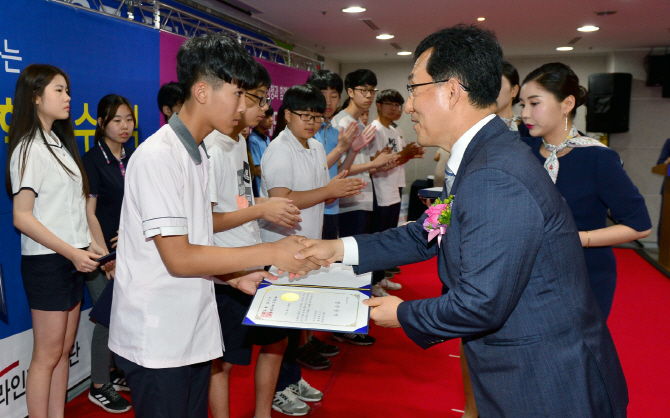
x: 108, y: 399
x: 355, y: 339
x: 118, y: 379
x: 394, y: 270
x: 323, y: 348
x: 309, y: 357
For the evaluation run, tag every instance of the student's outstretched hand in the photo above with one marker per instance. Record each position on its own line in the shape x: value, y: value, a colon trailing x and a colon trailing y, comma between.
x: 384, y: 311
x: 321, y: 251
x: 84, y: 260
x: 385, y: 160
x: 283, y: 256
x: 339, y: 186
x: 347, y: 136
x: 248, y: 283
x: 364, y: 138
x: 280, y: 211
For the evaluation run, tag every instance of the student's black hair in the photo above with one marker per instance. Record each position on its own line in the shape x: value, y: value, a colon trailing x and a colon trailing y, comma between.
x: 263, y: 78
x: 26, y: 125
x: 170, y: 94
x: 559, y: 80
x: 304, y: 97
x: 270, y: 111
x: 512, y: 75
x: 471, y: 55
x: 390, y: 96
x: 325, y: 79
x: 280, y: 124
x: 360, y: 77
x: 214, y: 58
x: 107, y: 107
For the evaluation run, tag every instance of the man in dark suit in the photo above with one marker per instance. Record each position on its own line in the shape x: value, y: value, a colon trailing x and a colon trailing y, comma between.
x: 516, y: 285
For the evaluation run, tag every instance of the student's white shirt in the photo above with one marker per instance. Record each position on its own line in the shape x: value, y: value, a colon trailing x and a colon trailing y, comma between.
x: 60, y: 204
x: 159, y: 320
x: 401, y: 146
x: 363, y: 201
x: 286, y: 163
x: 230, y: 188
x: 386, y: 182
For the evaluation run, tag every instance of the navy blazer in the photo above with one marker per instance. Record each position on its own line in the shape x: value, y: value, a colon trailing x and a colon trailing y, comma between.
x: 516, y: 289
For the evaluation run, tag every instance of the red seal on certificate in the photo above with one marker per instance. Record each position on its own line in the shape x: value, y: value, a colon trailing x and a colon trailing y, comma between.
x: 266, y: 314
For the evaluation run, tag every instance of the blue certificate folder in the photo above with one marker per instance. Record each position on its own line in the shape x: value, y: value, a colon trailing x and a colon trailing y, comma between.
x: 329, y: 299
x: 431, y: 193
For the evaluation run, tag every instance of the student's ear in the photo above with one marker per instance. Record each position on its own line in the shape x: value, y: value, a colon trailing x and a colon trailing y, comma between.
x: 287, y: 115
x: 100, y: 122
x: 201, y: 92
x: 379, y: 108
x: 350, y: 93
x: 167, y: 111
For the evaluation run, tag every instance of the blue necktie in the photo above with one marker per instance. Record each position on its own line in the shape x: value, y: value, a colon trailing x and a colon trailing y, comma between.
x: 449, y: 178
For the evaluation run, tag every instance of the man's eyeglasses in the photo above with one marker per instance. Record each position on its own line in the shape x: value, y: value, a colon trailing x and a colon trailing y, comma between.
x: 367, y: 92
x: 393, y: 105
x: 262, y: 101
x: 306, y: 118
x: 411, y: 87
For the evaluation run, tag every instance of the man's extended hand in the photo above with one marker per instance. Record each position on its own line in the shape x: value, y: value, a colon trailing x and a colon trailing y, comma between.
x: 320, y: 251
x: 285, y: 253
x: 247, y: 282
x: 384, y: 311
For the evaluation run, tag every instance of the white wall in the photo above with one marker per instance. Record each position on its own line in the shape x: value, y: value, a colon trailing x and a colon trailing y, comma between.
x: 639, y: 148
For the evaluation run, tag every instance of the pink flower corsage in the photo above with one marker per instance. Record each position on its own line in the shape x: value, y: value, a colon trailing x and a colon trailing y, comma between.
x: 439, y: 218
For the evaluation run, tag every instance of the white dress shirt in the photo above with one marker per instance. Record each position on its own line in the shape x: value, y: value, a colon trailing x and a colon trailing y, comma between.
x: 350, y: 256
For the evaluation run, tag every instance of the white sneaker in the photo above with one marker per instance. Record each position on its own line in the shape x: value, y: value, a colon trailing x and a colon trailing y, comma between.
x: 287, y: 402
x: 305, y: 392
x: 388, y: 284
x: 378, y: 291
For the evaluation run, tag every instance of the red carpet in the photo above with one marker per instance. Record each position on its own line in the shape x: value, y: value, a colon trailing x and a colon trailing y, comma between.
x: 395, y: 378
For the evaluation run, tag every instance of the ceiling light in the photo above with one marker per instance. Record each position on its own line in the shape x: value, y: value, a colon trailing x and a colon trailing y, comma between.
x: 564, y: 48
x: 588, y: 28
x: 354, y: 9
x: 404, y: 53
x: 481, y: 19
x: 385, y: 36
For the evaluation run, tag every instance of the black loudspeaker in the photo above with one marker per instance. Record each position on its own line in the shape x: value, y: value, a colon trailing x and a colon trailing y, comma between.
x: 656, y: 66
x: 608, y: 105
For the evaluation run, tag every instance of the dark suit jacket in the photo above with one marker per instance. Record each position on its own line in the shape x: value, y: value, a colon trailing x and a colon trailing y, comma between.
x: 516, y: 289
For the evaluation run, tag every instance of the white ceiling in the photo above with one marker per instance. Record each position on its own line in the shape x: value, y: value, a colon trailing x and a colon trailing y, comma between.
x: 523, y: 27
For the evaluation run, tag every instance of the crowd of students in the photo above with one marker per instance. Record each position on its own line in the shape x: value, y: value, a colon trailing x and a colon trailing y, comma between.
x: 210, y: 194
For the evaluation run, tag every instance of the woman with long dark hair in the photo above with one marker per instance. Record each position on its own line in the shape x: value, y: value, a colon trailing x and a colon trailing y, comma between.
x: 589, y: 175
x: 47, y: 184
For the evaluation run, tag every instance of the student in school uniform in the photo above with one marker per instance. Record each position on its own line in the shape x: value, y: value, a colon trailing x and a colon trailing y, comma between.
x: 361, y: 86
x: 386, y: 205
x: 48, y: 186
x: 105, y: 164
x: 295, y: 167
x: 235, y: 225
x: 258, y: 142
x: 170, y: 99
x: 164, y: 328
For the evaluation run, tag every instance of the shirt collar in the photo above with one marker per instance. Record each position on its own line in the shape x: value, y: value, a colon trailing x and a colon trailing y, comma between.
x: 104, y: 148
x: 186, y: 138
x: 458, y: 150
x: 293, y: 141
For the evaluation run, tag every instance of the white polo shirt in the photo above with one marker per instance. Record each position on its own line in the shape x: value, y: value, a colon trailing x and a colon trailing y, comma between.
x: 230, y: 188
x: 159, y: 320
x: 386, y: 182
x: 59, y: 201
x: 286, y: 163
x: 363, y: 201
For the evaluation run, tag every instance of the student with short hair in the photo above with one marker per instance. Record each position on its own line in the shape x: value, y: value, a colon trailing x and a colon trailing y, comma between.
x: 164, y: 326
x: 295, y: 167
x: 170, y: 99
x: 235, y: 225
x: 258, y: 142
x: 47, y: 184
x: 105, y: 164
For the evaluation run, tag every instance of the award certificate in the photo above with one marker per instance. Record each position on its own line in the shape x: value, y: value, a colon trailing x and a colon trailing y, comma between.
x: 330, y: 299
